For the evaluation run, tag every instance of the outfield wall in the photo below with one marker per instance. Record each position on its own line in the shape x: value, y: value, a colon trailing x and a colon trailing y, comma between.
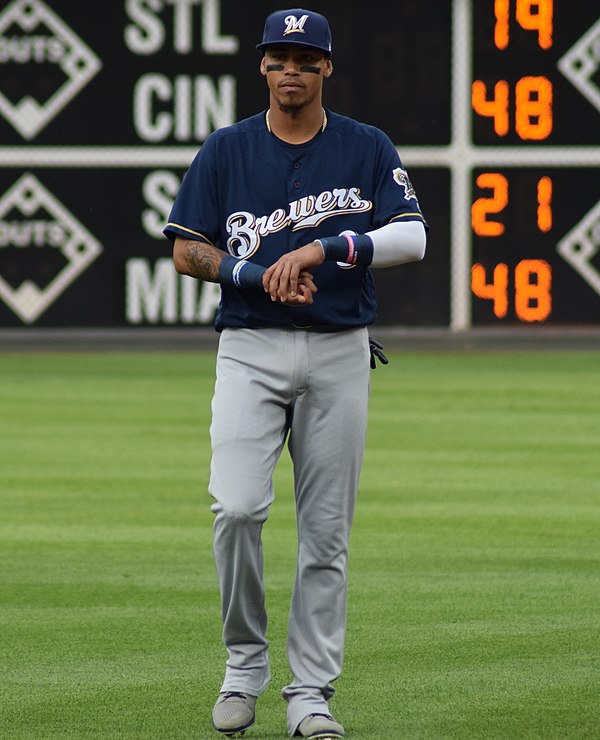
x: 102, y: 109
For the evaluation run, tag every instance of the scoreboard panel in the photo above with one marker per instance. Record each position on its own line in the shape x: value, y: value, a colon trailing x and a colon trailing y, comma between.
x: 535, y: 216
x: 494, y: 106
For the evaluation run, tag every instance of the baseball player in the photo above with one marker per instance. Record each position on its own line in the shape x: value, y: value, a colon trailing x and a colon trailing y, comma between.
x: 289, y: 210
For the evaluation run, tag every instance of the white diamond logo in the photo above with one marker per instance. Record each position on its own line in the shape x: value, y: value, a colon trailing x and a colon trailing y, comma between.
x: 581, y: 63
x: 32, y: 34
x: 581, y: 245
x: 42, y: 221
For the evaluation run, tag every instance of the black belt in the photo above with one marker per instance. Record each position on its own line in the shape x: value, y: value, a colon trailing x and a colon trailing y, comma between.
x: 323, y: 328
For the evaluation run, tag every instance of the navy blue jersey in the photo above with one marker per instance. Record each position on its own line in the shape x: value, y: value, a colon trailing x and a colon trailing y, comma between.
x: 257, y: 197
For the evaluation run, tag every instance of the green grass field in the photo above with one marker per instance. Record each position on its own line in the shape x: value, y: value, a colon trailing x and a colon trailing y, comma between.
x: 475, y: 562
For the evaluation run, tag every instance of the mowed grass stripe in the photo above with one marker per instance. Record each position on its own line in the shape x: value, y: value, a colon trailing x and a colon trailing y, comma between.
x: 475, y: 573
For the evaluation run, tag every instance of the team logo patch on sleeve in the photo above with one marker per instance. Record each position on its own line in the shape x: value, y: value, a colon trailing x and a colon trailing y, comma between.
x: 401, y: 177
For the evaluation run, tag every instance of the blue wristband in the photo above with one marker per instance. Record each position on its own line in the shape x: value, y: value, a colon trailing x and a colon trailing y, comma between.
x: 352, y: 250
x: 240, y: 273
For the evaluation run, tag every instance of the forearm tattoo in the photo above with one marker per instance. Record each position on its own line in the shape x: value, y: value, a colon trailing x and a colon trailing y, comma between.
x: 203, y: 260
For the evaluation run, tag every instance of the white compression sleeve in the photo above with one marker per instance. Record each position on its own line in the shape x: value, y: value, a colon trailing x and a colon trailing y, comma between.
x: 398, y: 242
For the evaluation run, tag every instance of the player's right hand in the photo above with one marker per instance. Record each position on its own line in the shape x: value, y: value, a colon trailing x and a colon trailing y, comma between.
x: 282, y: 279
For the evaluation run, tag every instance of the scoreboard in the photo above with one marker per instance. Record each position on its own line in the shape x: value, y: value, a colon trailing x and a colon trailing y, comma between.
x: 535, y: 212
x: 524, y: 157
x: 494, y: 106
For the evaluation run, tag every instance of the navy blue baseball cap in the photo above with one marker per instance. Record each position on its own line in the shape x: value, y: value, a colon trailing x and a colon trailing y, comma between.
x: 297, y: 26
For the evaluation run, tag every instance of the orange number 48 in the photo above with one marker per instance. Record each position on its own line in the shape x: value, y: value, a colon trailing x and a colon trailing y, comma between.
x: 533, y: 106
x: 533, y: 284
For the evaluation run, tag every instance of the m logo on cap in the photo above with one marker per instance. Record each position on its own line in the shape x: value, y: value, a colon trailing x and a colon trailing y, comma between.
x: 294, y: 25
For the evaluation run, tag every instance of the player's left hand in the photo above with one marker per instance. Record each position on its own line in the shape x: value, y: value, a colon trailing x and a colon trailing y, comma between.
x: 304, y: 294
x: 281, y: 280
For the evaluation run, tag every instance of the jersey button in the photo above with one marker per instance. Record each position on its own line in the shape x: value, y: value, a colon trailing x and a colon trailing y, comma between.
x: 297, y: 165
x: 297, y: 184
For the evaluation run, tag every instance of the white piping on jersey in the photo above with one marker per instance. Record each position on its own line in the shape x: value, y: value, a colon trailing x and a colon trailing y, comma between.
x: 190, y: 231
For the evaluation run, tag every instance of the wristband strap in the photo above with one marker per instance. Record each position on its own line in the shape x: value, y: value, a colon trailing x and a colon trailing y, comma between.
x: 352, y: 250
x: 240, y: 273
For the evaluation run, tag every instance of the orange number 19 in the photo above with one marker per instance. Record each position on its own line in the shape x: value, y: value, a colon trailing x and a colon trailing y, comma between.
x: 540, y: 20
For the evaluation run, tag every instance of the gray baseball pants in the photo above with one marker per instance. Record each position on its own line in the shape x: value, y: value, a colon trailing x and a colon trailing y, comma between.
x: 314, y: 387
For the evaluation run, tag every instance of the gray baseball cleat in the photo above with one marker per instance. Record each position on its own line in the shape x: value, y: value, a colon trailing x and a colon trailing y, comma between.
x: 322, y: 726
x: 233, y: 713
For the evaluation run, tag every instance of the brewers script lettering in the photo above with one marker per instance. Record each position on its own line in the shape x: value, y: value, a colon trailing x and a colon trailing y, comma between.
x: 246, y: 229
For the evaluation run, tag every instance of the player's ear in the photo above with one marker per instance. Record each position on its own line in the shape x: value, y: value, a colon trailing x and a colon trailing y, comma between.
x: 263, y: 66
x: 328, y: 69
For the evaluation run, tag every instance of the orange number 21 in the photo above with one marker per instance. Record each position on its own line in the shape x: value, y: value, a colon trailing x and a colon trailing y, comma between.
x: 498, y: 200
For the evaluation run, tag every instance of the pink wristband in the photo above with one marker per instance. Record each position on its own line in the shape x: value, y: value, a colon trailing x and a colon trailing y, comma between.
x: 351, y: 258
